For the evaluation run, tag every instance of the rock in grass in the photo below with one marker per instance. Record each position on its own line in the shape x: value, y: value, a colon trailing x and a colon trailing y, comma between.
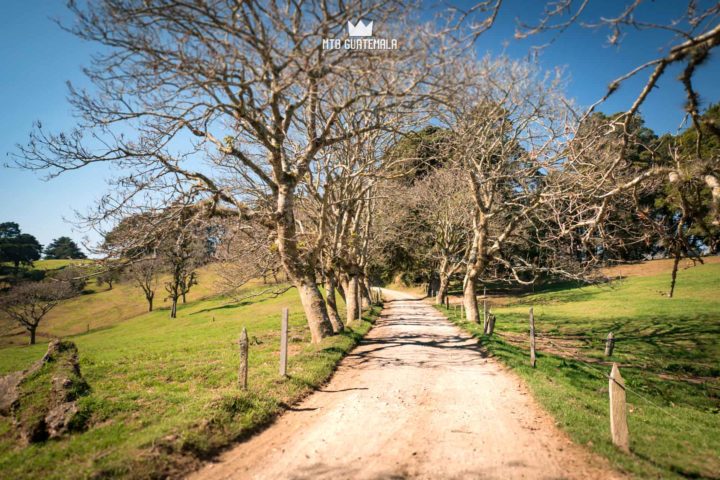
x: 42, y: 400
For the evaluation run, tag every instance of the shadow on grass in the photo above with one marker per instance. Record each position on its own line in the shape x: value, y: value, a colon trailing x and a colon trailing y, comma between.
x: 227, y: 306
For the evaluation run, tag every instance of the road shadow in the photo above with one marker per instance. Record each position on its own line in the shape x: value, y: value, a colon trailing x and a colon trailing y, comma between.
x: 410, y: 333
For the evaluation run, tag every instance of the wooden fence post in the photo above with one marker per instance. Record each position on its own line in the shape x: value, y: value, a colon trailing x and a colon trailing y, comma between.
x: 243, y: 371
x: 490, y: 324
x: 609, y: 344
x: 447, y: 302
x: 484, y: 301
x: 618, y: 410
x: 284, y: 342
x: 484, y: 309
x: 532, y: 338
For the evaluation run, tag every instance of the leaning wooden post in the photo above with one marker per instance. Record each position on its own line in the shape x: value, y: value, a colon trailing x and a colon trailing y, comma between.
x: 243, y: 371
x: 284, y: 343
x: 609, y: 344
x: 618, y: 410
x: 490, y: 324
x: 532, y: 338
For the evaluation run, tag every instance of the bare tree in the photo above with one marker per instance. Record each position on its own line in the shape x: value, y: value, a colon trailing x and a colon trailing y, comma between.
x: 144, y: 273
x: 247, y: 85
x: 508, y: 126
x: 689, y: 33
x: 246, y: 252
x: 341, y: 202
x: 109, y: 274
x: 29, y: 302
x: 183, y: 250
x: 443, y: 213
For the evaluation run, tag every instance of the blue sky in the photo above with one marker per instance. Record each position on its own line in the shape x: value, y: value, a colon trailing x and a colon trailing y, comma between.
x: 37, y: 58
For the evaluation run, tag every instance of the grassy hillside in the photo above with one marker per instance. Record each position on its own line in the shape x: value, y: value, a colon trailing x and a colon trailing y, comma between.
x: 164, y: 391
x: 100, y: 307
x: 668, y: 351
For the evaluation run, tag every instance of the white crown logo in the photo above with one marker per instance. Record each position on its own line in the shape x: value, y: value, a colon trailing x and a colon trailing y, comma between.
x: 360, y: 30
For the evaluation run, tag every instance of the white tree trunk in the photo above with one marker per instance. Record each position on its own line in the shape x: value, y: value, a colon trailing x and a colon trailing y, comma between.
x: 470, y: 300
x: 351, y: 295
x: 332, y: 304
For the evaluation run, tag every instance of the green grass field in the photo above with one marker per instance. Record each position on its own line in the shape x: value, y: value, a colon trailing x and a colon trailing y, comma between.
x: 100, y: 307
x: 164, y: 391
x: 668, y: 351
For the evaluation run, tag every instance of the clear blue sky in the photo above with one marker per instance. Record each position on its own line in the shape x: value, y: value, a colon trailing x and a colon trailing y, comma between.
x: 37, y: 59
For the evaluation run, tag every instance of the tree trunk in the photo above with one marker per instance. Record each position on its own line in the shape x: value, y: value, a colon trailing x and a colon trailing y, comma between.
x: 332, y: 304
x: 173, y: 310
x: 676, y: 262
x: 351, y: 296
x: 442, y: 290
x: 32, y: 335
x: 299, y: 274
x: 364, y: 286
x: 150, y: 303
x: 341, y: 289
x: 476, y: 264
x: 470, y: 300
x: 314, y: 307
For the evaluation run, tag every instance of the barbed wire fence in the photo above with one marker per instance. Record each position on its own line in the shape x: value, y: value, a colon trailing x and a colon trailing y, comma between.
x: 573, y: 353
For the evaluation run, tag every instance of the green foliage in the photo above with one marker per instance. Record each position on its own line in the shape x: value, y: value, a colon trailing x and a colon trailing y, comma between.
x: 709, y: 142
x: 16, y: 247
x: 418, y: 153
x: 63, y: 248
x: 668, y: 353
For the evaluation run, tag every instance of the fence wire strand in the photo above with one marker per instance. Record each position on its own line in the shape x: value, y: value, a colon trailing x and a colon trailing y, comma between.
x: 603, y: 374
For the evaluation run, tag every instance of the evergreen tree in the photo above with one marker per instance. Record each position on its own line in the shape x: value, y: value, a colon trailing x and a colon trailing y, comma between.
x: 17, y: 247
x: 63, y: 248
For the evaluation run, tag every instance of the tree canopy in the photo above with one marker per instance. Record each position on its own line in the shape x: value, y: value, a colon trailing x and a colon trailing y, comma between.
x: 63, y: 248
x: 17, y: 247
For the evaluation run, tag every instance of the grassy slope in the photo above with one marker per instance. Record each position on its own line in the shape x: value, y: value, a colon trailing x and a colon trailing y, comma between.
x: 100, y: 307
x: 669, y: 353
x: 164, y: 391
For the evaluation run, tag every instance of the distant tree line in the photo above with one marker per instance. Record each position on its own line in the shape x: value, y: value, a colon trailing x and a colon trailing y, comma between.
x: 20, y: 248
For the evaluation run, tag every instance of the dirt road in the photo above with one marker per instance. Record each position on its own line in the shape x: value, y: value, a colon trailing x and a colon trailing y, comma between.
x: 415, y: 400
